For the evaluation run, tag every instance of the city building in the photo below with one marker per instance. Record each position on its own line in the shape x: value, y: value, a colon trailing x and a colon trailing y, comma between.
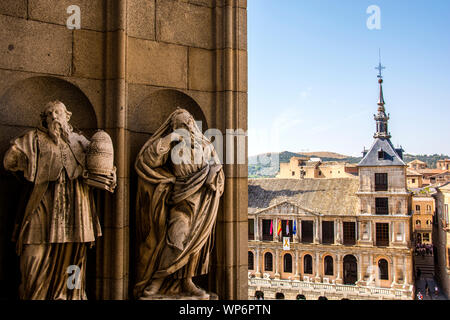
x: 352, y: 236
x: 429, y: 175
x: 417, y: 165
x: 423, y: 210
x: 414, y: 179
x: 314, y: 168
x: 443, y: 164
x: 442, y: 237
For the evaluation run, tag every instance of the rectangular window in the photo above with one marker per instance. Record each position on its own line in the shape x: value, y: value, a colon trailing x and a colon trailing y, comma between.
x: 327, y: 232
x: 266, y: 230
x: 381, y: 181
x: 251, y: 229
x: 381, y: 206
x: 286, y: 226
x: 307, y: 232
x: 417, y: 208
x: 382, y: 234
x: 349, y: 233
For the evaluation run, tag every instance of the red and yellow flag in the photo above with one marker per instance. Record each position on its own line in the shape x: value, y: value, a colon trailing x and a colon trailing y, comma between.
x: 279, y: 227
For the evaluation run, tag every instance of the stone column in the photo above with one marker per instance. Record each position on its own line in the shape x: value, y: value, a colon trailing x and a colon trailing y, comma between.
x: 405, y: 275
x: 317, y: 268
x: 392, y: 233
x: 299, y: 230
x: 393, y: 271
x: 338, y: 265
x: 257, y: 229
x: 316, y: 231
x: 372, y: 273
x: 296, y: 275
x: 359, y: 268
x: 257, y: 262
x: 277, y: 274
x: 339, y: 231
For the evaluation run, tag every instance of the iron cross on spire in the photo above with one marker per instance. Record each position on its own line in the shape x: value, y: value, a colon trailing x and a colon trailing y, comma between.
x: 380, y: 68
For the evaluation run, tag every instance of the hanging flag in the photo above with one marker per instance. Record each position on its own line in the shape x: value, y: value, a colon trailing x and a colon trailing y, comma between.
x: 294, y: 231
x: 287, y: 227
x: 279, y: 227
x: 271, y: 227
x: 286, y: 244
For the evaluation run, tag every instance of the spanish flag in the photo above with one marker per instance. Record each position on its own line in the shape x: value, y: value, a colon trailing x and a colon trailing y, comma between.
x: 279, y: 227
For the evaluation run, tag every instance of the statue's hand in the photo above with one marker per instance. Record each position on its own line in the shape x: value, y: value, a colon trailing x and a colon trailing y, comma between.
x: 210, y: 180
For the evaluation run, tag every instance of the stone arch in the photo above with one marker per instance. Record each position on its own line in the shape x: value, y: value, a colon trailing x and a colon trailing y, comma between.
x: 251, y: 260
x: 148, y: 115
x: 143, y: 119
x: 350, y: 269
x: 328, y: 266
x: 22, y: 103
x: 271, y: 257
x: 288, y: 262
x: 20, y: 108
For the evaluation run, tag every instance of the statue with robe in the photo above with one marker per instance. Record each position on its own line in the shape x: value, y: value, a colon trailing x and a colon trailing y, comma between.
x: 180, y: 183
x: 59, y: 223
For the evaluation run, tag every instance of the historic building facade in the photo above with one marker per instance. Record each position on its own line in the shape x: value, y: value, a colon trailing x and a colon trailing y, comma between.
x: 423, y: 210
x: 313, y: 168
x: 441, y: 237
x: 352, y: 236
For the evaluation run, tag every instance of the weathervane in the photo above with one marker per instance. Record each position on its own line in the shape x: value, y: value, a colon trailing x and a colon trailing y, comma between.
x: 380, y: 68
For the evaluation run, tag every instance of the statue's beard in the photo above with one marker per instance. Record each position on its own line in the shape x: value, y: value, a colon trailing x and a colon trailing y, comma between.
x: 58, y: 129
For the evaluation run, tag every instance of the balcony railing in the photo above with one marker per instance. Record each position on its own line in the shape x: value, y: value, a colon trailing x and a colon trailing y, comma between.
x: 332, y: 288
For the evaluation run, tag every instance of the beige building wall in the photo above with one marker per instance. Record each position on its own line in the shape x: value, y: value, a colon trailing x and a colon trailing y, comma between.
x: 423, y: 209
x: 324, y: 170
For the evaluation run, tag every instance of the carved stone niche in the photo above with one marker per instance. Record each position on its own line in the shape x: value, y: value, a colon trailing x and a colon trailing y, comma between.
x: 20, y: 108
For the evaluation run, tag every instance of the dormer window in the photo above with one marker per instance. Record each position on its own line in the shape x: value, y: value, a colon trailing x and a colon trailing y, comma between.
x: 380, y: 154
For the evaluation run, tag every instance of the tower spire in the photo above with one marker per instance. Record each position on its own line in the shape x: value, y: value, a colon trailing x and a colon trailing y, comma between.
x: 381, y: 118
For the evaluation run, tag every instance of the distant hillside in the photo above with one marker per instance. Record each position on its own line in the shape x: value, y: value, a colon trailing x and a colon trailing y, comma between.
x: 325, y: 154
x: 268, y: 165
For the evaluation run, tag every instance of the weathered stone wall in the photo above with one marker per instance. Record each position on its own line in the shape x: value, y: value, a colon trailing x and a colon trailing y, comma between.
x: 130, y: 65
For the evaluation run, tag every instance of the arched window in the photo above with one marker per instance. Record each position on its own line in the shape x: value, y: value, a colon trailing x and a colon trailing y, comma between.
x: 328, y: 266
x: 279, y: 296
x: 250, y: 261
x: 307, y: 264
x: 287, y: 263
x: 383, y: 268
x: 268, y: 262
x: 417, y: 222
x: 259, y: 295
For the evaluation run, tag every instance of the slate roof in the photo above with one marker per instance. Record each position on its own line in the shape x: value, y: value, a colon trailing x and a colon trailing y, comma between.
x: 391, y: 157
x: 322, y: 196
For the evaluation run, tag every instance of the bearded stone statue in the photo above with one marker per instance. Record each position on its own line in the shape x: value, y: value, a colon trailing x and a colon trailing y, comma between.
x: 180, y: 182
x: 59, y: 222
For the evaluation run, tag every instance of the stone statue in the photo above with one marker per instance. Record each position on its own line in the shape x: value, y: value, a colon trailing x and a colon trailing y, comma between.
x: 59, y: 222
x: 180, y: 182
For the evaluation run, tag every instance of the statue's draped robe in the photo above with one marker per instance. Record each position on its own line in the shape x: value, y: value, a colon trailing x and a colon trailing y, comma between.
x: 174, y: 200
x: 59, y: 220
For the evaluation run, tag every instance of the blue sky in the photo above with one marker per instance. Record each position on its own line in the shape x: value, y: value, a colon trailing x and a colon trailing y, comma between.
x: 312, y: 78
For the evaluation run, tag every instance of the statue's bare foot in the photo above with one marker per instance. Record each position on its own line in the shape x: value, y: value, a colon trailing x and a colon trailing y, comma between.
x: 153, y: 288
x: 192, y: 289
